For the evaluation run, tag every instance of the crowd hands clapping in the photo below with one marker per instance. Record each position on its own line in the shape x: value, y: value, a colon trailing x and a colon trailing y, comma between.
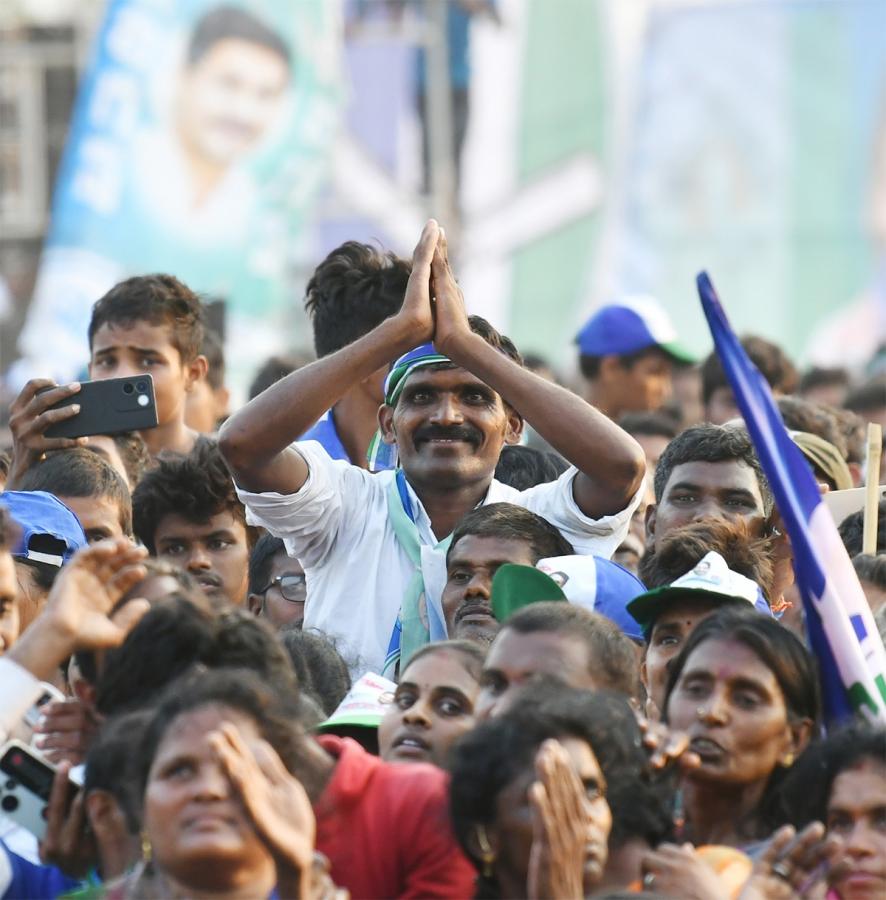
x: 369, y: 640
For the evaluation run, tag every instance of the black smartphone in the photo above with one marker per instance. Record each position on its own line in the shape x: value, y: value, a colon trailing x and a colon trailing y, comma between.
x: 108, y: 407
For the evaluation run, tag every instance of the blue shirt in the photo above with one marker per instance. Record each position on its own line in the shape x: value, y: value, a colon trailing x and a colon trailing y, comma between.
x: 23, y: 880
x: 326, y: 434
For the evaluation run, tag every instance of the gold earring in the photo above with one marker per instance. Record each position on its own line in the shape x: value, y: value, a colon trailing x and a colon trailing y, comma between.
x: 146, y: 847
x: 788, y: 761
x: 487, y: 854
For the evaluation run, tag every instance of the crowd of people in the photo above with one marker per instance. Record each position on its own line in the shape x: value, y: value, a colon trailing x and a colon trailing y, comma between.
x: 419, y: 620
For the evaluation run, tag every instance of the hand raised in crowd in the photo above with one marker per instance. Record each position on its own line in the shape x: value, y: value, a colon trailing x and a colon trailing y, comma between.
x: 679, y: 871
x: 559, y: 825
x: 276, y: 803
x: 450, y: 314
x: 65, y: 731
x: 29, y: 417
x: 68, y: 843
x: 79, y: 613
x: 416, y: 314
x: 794, y: 865
x: 666, y: 746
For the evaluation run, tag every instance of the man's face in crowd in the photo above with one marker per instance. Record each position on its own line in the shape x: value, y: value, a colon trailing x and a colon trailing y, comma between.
x: 674, y: 624
x: 473, y: 562
x: 9, y: 612
x: 141, y: 348
x: 284, y: 600
x: 721, y: 407
x: 706, y: 490
x: 99, y: 516
x: 215, y: 552
x: 230, y: 98
x: 642, y: 386
x: 515, y: 658
x: 449, y: 427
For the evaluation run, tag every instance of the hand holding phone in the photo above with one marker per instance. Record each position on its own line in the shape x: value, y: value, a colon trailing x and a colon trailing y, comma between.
x: 106, y: 407
x: 26, y: 783
x: 32, y: 413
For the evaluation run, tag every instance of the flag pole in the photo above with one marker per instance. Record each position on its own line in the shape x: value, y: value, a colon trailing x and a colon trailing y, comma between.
x: 872, y: 488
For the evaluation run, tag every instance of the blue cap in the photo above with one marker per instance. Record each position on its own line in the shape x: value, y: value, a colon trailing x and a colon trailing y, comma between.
x: 598, y: 584
x: 50, y: 532
x: 635, y: 323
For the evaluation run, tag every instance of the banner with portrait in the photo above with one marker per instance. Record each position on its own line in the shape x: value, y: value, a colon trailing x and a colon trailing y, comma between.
x: 196, y: 147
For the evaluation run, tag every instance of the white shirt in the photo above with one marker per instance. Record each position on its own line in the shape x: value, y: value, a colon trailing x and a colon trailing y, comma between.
x: 337, y: 526
x: 19, y: 691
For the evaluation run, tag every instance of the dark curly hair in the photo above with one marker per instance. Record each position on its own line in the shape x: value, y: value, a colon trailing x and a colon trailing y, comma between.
x: 683, y: 548
x: 195, y: 486
x: 351, y: 292
x: 158, y: 300
x: 276, y: 719
x: 489, y: 758
x: 176, y: 635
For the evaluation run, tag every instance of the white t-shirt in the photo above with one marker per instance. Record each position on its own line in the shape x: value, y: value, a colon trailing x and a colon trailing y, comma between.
x: 337, y: 526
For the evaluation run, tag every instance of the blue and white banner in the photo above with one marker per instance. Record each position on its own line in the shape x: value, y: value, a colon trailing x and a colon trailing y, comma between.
x: 839, y: 624
x: 197, y: 145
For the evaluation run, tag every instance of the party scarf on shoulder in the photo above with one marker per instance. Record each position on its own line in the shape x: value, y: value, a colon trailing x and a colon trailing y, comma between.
x: 412, y: 628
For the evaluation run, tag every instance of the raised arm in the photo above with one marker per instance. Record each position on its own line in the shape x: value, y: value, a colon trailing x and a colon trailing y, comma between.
x: 255, y: 440
x: 611, y: 463
x: 79, y: 612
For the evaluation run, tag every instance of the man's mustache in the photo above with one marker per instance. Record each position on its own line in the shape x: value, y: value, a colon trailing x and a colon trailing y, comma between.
x: 448, y: 433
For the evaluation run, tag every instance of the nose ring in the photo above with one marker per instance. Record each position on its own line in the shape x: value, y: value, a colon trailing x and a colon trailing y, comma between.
x: 701, y: 712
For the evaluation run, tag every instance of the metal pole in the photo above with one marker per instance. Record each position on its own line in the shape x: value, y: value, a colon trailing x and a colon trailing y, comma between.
x: 438, y: 100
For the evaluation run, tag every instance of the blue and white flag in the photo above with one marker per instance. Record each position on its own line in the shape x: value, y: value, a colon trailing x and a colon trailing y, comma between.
x: 841, y: 629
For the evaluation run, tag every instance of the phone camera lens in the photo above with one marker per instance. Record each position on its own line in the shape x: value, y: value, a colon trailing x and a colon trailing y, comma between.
x: 142, y: 386
x: 11, y: 784
x: 10, y: 803
x: 128, y: 388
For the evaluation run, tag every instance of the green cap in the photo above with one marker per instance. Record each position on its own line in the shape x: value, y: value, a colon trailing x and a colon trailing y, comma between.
x: 514, y: 587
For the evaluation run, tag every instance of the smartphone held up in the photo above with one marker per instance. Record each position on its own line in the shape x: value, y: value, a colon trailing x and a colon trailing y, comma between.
x: 109, y: 406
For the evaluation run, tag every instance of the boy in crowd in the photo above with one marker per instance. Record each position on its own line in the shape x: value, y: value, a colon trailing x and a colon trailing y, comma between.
x: 350, y: 293
x: 186, y: 511
x: 208, y: 403
x: 147, y: 324
x: 769, y: 358
x: 627, y: 351
x: 152, y: 324
x: 89, y: 486
x: 372, y: 545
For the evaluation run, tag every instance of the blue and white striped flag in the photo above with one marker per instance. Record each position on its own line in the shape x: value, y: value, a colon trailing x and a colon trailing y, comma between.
x: 841, y: 629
